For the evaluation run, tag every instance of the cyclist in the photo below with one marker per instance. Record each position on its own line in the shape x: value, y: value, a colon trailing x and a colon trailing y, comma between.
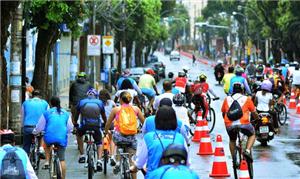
x: 90, y: 109
x: 32, y: 110
x: 167, y: 86
x: 200, y: 90
x: 181, y: 82
x: 56, y: 123
x: 181, y: 111
x: 174, y: 164
x: 108, y: 106
x: 247, y: 106
x: 264, y: 102
x: 250, y: 69
x: 226, y: 79
x: 260, y: 69
x: 127, y: 86
x: 148, y: 85
x: 7, y: 137
x: 126, y: 75
x: 124, y: 132
x: 77, y: 92
x: 268, y: 70
x: 150, y: 149
x: 238, y: 78
x: 219, y: 69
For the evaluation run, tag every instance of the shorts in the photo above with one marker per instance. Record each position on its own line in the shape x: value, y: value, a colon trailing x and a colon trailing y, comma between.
x: 61, y: 153
x: 246, y: 129
x: 97, y: 136
x: 117, y: 138
x: 150, y: 93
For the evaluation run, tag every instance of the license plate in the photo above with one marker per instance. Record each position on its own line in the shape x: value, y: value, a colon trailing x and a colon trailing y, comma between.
x: 263, y: 129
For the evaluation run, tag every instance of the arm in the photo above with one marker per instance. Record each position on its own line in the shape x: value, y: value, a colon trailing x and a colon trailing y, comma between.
x: 141, y: 154
x: 137, y: 88
x: 248, y: 91
x: 40, y: 125
x: 140, y: 115
x: 110, y: 119
x: 155, y: 89
x: 212, y: 92
x: 137, y: 102
x: 184, y: 133
x: 103, y: 116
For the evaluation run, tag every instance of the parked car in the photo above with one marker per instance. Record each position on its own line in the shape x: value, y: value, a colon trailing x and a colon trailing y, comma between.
x: 160, y: 69
x: 136, y: 73
x: 174, y: 55
x: 168, y: 50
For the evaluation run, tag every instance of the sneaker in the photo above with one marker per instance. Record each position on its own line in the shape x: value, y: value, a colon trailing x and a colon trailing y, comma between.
x: 248, y: 156
x: 46, y: 166
x: 99, y: 166
x: 112, y: 162
x: 81, y: 159
x: 116, y: 169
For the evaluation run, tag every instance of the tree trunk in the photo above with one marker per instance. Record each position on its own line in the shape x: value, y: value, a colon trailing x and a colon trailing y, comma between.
x: 45, y: 40
x: 275, y: 51
x: 128, y: 53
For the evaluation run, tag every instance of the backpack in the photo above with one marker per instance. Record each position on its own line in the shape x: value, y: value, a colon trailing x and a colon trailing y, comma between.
x: 164, y: 149
x: 235, y: 111
x: 91, y: 114
x: 127, y: 121
x: 12, y: 166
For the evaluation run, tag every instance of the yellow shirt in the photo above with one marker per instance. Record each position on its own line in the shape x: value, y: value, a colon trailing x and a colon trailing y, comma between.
x: 226, y: 81
x: 146, y: 81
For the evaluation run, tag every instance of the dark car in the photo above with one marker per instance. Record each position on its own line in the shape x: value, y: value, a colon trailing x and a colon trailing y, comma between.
x: 168, y: 50
x: 153, y: 58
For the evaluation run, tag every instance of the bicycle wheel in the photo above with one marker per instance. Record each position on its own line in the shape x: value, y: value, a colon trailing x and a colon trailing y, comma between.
x: 57, y: 167
x: 105, y: 161
x: 52, y: 169
x: 211, y: 119
x: 282, y: 114
x: 125, y: 166
x: 90, y: 165
x: 250, y: 168
x: 236, y: 160
x: 37, y: 161
x: 208, y: 98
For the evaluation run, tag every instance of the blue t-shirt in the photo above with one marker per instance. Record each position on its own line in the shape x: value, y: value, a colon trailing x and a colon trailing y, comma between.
x: 284, y: 72
x: 173, y: 172
x: 155, y: 149
x: 239, y: 79
x: 33, y: 110
x: 56, y: 127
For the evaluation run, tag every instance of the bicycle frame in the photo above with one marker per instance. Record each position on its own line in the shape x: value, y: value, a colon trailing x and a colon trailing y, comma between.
x: 55, y: 169
x: 34, y: 152
x: 124, y: 162
x: 91, y: 150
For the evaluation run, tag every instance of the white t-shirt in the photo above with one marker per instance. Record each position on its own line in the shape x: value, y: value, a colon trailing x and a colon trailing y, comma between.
x: 263, y: 101
x: 296, y: 77
x: 131, y: 91
x: 161, y: 96
x: 181, y: 113
x: 108, y: 107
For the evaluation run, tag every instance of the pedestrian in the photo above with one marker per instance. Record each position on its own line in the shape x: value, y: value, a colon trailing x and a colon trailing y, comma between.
x: 194, y: 58
x: 56, y: 124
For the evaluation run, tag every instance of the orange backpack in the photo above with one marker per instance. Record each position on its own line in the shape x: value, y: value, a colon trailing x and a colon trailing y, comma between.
x: 127, y: 121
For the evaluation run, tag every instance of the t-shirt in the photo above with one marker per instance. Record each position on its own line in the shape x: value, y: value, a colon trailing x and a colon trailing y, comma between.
x: 226, y: 81
x: 132, y: 92
x: 110, y: 104
x: 263, y: 101
x: 147, y: 81
x: 173, y: 172
x: 296, y: 77
x: 181, y: 113
x: 158, y: 98
x: 247, y: 107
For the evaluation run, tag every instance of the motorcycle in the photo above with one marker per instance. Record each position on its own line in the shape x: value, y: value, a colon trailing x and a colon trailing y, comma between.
x: 219, y: 76
x: 264, y: 129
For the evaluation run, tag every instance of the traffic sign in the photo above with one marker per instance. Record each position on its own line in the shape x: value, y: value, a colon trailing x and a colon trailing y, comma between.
x: 107, y: 44
x: 93, y: 45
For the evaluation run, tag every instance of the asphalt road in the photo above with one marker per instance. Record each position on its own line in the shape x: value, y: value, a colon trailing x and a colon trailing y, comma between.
x: 280, y: 159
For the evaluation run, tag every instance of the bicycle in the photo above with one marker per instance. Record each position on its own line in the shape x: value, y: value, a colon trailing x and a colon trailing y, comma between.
x: 124, y: 160
x: 106, y: 143
x: 91, y: 150
x: 281, y: 111
x: 34, y: 154
x: 239, y: 155
x: 55, y: 169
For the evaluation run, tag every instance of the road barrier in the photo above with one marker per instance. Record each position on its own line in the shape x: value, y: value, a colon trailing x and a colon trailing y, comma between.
x: 199, y: 126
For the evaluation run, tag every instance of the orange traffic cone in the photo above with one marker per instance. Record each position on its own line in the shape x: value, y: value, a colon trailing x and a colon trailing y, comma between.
x: 197, y: 133
x: 205, y: 147
x: 292, y: 104
x: 244, y: 173
x: 204, y: 130
x: 219, y: 168
x: 298, y: 107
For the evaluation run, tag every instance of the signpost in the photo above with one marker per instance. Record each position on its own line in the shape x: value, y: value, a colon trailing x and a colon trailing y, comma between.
x: 107, y: 50
x: 107, y: 45
x: 93, y: 45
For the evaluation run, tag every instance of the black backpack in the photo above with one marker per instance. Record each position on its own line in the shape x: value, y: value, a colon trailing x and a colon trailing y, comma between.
x: 235, y: 111
x: 90, y: 113
x: 12, y: 166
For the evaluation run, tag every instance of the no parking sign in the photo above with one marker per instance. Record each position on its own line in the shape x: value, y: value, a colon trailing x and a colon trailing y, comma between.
x: 93, y: 45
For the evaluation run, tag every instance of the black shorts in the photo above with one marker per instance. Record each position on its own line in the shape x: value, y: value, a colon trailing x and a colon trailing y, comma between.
x: 97, y: 133
x: 60, y: 152
x: 246, y: 129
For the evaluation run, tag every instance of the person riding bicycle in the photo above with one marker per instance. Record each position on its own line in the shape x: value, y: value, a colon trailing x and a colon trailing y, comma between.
x: 250, y: 69
x: 151, y: 148
x: 127, y: 86
x: 238, y: 78
x: 173, y: 164
x: 246, y: 107
x: 226, y: 79
x: 181, y: 82
x: 200, y: 90
x: 125, y: 119
x: 90, y: 109
x: 167, y: 93
x: 24, y: 169
x: 126, y: 75
x: 264, y: 102
x: 268, y: 70
x: 77, y: 92
x: 32, y: 110
x: 260, y: 69
x: 181, y: 111
x: 219, y: 69
x: 56, y: 124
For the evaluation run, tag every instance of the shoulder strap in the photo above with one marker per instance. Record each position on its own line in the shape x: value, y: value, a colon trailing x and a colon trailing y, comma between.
x: 159, y: 140
x: 13, y: 149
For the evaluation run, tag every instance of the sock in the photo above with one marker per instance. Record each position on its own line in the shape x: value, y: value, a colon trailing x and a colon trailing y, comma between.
x: 81, y: 156
x: 247, y: 150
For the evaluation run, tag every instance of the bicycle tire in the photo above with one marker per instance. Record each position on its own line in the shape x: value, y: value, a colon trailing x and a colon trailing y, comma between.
x: 125, y: 166
x: 58, y: 168
x: 208, y: 99
x: 51, y: 168
x: 250, y: 168
x: 37, y: 161
x: 282, y: 114
x: 236, y: 160
x: 211, y: 119
x: 90, y: 165
x: 105, y: 161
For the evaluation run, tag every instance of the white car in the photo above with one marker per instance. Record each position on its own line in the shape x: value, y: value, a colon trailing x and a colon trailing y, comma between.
x: 174, y: 55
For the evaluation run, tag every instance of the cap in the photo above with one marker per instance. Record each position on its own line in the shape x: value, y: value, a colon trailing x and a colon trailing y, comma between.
x: 165, y: 102
x: 150, y: 71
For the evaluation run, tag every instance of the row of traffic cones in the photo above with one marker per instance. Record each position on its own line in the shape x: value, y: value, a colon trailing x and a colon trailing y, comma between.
x: 292, y: 103
x: 219, y: 168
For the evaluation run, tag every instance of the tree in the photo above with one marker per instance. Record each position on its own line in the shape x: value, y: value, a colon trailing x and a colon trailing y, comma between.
x: 46, y: 16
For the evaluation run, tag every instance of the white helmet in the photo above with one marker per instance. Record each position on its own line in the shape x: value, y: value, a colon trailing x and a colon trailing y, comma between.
x: 219, y: 62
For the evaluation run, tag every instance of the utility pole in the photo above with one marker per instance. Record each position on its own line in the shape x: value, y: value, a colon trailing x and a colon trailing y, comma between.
x: 93, y: 58
x: 15, y: 73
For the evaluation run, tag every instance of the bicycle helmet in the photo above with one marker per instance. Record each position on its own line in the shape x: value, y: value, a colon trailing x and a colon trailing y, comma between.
x: 174, y: 153
x: 266, y: 85
x: 92, y: 92
x: 239, y: 70
x: 81, y: 74
x: 7, y: 136
x: 237, y: 87
x: 170, y: 74
x: 126, y: 73
x: 202, y: 77
x: 178, y: 99
x: 219, y: 62
x: 181, y: 74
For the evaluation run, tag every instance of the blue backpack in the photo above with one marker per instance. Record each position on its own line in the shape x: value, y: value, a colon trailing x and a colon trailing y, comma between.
x: 12, y: 166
